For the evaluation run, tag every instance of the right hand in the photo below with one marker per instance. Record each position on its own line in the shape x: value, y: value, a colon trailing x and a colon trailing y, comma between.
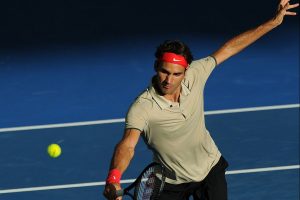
x: 110, y: 191
x: 283, y: 10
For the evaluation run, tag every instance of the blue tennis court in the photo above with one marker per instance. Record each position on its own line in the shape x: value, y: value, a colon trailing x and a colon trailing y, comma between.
x: 273, y: 142
x: 264, y: 136
x: 76, y: 94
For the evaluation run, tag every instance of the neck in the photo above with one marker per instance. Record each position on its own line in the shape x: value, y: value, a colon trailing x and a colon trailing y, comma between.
x: 173, y: 97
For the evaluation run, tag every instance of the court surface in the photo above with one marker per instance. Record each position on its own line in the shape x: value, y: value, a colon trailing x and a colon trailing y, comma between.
x: 86, y: 154
x: 78, y: 96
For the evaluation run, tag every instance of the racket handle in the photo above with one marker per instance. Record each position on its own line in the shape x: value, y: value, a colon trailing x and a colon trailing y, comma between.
x: 119, y: 193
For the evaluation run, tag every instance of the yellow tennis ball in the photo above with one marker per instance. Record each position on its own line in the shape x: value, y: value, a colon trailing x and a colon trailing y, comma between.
x: 54, y: 150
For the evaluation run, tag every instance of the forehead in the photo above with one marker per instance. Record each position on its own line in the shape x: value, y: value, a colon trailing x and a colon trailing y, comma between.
x: 172, y: 68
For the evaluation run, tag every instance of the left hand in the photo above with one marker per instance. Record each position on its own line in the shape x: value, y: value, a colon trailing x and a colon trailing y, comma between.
x: 283, y: 9
x: 110, y: 191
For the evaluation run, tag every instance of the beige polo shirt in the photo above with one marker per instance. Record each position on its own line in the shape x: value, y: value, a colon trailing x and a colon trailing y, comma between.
x: 176, y: 132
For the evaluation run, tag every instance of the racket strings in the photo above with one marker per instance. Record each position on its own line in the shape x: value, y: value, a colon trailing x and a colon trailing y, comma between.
x: 149, y: 184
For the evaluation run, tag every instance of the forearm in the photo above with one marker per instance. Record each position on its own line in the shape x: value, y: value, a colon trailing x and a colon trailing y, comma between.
x: 122, y: 157
x: 238, y: 43
x: 124, y: 151
x: 243, y: 40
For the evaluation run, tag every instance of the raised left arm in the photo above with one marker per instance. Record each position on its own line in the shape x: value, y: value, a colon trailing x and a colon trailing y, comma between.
x: 238, y: 43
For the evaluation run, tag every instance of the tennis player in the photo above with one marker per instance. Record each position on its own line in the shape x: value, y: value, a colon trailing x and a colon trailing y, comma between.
x: 170, y: 117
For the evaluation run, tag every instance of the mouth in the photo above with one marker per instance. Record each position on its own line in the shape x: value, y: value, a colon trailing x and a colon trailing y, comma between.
x: 167, y: 87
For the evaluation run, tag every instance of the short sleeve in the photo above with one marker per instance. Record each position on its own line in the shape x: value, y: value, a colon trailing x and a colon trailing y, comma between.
x: 200, y: 70
x: 137, y: 116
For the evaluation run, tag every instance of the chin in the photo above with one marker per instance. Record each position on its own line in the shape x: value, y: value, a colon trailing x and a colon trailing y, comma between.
x: 168, y: 92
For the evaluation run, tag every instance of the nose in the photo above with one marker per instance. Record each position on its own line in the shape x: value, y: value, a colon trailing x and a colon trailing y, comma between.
x: 169, y: 79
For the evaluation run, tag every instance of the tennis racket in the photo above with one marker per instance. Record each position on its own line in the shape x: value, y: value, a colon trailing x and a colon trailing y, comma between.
x: 149, y: 183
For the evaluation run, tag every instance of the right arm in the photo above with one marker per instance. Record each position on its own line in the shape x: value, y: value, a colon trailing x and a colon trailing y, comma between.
x: 124, y: 151
x: 122, y: 156
x: 243, y: 40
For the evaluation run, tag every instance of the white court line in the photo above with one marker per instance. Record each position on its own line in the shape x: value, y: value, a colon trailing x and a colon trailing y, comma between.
x: 24, y: 128
x: 109, y: 121
x: 252, y: 109
x: 266, y: 169
x: 55, y: 187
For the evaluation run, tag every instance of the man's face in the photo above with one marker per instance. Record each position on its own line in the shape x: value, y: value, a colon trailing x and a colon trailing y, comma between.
x: 169, y: 77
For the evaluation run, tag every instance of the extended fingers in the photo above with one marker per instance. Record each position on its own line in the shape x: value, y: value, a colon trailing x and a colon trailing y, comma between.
x: 284, y: 6
x: 291, y: 6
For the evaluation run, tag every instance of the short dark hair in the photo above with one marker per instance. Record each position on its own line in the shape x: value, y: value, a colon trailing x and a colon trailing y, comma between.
x: 174, y: 46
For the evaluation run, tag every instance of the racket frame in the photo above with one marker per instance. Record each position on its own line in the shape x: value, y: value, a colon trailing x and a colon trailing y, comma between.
x: 132, y: 185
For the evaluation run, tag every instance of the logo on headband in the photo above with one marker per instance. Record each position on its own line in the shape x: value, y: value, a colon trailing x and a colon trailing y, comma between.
x: 175, y: 59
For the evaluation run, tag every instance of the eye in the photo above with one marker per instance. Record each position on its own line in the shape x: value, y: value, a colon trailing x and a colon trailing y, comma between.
x: 164, y: 71
x: 177, y: 74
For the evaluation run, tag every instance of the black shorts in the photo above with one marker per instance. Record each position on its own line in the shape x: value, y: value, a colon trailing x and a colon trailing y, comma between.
x: 213, y: 187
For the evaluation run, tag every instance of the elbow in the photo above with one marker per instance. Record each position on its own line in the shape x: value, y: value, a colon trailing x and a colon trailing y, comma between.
x: 225, y: 53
